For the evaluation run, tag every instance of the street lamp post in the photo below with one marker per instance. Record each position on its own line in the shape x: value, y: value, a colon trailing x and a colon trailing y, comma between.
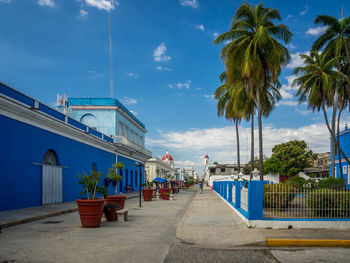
x: 139, y: 164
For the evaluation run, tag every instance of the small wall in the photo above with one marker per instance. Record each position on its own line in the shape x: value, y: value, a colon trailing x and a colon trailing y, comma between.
x: 253, y: 217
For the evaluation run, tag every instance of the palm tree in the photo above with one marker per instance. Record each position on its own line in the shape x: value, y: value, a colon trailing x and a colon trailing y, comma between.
x: 336, y: 42
x: 225, y: 97
x: 255, y: 55
x: 318, y: 81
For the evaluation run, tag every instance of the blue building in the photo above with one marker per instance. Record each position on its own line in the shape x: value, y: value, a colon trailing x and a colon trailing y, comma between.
x: 42, y: 150
x: 344, y: 142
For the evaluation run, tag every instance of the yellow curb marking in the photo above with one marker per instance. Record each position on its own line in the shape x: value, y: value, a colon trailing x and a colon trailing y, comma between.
x: 307, y: 243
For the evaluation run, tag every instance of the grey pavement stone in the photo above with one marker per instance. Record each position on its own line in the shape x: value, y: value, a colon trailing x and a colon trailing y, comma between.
x: 180, y: 253
x: 211, y: 223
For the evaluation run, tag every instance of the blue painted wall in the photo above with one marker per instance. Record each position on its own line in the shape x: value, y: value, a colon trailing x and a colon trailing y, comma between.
x: 344, y: 141
x: 22, y: 145
x: 130, y: 171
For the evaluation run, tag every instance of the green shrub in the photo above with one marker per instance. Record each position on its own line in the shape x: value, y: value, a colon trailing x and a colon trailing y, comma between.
x: 296, y: 181
x: 278, y: 195
x: 333, y: 183
x: 329, y: 203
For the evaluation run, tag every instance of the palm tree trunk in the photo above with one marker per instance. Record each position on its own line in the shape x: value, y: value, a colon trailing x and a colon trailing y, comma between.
x: 238, y: 155
x: 333, y: 143
x: 333, y: 135
x: 260, y: 138
x: 339, y: 156
x: 252, y: 147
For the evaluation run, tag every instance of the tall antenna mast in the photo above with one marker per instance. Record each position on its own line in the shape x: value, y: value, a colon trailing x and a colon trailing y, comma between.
x: 110, y: 56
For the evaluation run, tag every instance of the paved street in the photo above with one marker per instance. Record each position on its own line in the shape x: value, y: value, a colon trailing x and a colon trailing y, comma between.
x: 145, y: 237
x: 192, y: 228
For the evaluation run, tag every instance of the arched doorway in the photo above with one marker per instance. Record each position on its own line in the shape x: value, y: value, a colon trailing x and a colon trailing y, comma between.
x: 51, y: 179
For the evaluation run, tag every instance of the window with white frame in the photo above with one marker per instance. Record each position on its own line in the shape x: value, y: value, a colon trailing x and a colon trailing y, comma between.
x: 344, y: 169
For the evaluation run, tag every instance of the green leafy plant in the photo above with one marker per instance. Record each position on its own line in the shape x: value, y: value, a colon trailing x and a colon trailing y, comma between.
x: 329, y: 202
x: 90, y: 184
x: 113, y: 175
x: 277, y: 196
x: 332, y: 183
x: 296, y: 181
x: 147, y: 184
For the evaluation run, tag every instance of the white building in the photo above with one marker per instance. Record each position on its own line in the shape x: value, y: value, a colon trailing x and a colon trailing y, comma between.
x: 160, y: 168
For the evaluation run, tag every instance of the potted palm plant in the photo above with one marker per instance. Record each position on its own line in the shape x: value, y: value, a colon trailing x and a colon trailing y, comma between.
x: 148, y: 191
x: 91, y: 208
x: 113, y: 177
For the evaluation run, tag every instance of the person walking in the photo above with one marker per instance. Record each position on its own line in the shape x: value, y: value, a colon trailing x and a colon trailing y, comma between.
x: 201, y: 186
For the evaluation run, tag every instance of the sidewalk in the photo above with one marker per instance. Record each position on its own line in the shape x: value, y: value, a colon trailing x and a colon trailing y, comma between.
x: 209, y: 222
x: 30, y: 214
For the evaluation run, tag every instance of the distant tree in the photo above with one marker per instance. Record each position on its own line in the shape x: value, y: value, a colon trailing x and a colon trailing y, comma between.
x: 215, y: 163
x: 289, y: 158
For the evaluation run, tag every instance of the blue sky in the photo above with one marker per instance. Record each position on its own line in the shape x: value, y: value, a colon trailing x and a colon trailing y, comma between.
x: 165, y: 67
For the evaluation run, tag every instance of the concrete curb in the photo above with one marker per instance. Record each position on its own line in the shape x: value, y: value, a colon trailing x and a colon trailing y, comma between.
x: 307, y: 243
x: 36, y: 218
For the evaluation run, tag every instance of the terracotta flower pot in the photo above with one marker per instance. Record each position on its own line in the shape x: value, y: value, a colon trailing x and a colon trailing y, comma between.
x: 116, y: 199
x: 165, y: 192
x: 111, y: 214
x: 147, y: 194
x: 90, y: 212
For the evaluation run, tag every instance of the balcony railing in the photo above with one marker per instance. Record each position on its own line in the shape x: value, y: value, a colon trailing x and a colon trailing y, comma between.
x: 125, y: 141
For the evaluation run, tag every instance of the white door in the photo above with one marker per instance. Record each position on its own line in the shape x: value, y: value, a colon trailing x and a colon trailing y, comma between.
x: 51, y: 184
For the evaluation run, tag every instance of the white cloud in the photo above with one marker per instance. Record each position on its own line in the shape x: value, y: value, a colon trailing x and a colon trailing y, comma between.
x: 316, y: 30
x: 128, y: 101
x: 133, y: 112
x: 5, y: 1
x: 49, y: 3
x: 181, y: 85
x: 191, y: 3
x: 304, y: 11
x: 133, y: 75
x: 215, y: 34
x: 208, y: 96
x: 289, y: 17
x: 160, y: 68
x: 291, y: 46
x: 295, y: 61
x: 184, y: 163
x: 83, y: 13
x: 103, y: 4
x: 287, y: 90
x: 220, y: 143
x: 200, y: 27
x: 159, y: 53
x: 198, y: 88
x: 287, y: 103
x: 303, y: 112
x: 285, y: 93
